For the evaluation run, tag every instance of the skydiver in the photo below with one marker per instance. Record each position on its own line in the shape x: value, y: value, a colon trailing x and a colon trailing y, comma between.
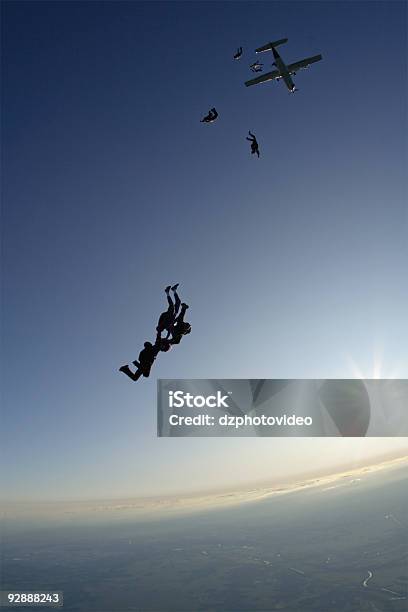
x: 256, y: 67
x: 146, y: 358
x: 254, y: 143
x: 212, y: 116
x: 180, y: 327
x: 168, y: 317
x: 238, y: 53
x: 144, y: 364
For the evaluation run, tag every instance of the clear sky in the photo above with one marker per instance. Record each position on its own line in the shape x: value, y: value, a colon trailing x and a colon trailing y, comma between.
x: 294, y: 265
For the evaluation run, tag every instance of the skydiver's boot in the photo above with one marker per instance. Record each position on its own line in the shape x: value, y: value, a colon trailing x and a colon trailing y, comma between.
x: 174, y: 287
x: 167, y: 289
x: 133, y: 376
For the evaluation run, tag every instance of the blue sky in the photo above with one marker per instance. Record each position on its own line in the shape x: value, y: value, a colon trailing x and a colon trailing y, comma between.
x: 293, y: 264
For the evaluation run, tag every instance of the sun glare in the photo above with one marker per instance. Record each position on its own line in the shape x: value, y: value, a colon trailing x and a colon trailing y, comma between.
x: 375, y: 371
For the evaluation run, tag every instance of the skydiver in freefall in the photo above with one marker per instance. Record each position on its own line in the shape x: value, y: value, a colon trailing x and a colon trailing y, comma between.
x: 254, y: 143
x: 167, y: 318
x: 144, y: 364
x: 212, y: 116
x: 238, y: 53
x: 180, y: 327
x: 256, y: 67
x: 146, y: 358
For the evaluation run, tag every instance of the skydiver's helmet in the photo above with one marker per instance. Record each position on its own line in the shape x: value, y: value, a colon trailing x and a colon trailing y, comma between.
x: 148, y: 345
x: 185, y: 329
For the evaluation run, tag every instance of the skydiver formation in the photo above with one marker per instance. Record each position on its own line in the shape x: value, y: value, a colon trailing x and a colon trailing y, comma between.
x: 170, y: 321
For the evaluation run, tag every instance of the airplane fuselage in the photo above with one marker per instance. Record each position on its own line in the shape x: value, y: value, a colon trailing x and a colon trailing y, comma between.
x: 283, y: 70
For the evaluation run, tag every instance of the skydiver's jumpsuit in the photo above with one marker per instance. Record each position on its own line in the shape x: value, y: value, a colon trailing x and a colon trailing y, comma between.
x: 179, y: 326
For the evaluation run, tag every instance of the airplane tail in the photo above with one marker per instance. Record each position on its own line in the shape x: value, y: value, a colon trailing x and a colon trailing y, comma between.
x: 271, y: 45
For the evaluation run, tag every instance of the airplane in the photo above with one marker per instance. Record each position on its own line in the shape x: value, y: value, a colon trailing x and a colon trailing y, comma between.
x: 283, y: 71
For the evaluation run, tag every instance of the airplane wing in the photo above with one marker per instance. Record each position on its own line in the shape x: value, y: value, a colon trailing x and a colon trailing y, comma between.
x: 269, y: 46
x: 269, y: 76
x: 303, y: 63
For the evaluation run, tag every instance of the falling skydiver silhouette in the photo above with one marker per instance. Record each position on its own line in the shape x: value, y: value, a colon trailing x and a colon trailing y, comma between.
x: 144, y: 364
x: 254, y: 143
x: 238, y: 53
x: 256, y: 67
x: 146, y: 358
x: 212, y: 116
